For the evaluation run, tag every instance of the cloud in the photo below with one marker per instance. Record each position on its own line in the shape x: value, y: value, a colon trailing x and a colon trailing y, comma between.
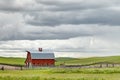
x: 86, y: 26
x: 60, y: 12
x: 101, y: 16
x: 11, y: 26
x: 52, y: 5
x: 74, y: 47
x: 17, y: 5
x: 18, y: 30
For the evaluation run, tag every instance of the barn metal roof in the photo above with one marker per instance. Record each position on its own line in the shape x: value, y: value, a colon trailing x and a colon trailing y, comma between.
x: 42, y: 55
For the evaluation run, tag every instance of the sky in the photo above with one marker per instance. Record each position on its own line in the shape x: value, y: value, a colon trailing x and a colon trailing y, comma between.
x: 70, y: 28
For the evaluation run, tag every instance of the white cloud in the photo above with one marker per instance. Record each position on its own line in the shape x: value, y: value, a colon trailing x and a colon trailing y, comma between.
x: 74, y: 47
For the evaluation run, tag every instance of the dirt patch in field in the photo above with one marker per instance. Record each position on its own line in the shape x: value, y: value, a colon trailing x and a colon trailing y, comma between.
x: 9, y: 67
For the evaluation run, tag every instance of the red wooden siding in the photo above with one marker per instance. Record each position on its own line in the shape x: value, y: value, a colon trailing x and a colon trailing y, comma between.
x: 43, y: 62
x: 38, y: 62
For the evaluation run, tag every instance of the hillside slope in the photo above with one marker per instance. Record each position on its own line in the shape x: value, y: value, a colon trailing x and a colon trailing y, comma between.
x: 11, y: 60
x: 66, y: 60
x: 113, y: 59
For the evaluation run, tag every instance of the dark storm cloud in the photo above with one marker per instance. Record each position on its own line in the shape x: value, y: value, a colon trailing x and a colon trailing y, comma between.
x: 59, y: 12
x: 104, y: 17
x: 76, y: 12
x: 8, y: 5
x: 57, y: 35
x: 61, y: 32
x: 56, y: 19
x: 60, y: 5
x: 19, y: 6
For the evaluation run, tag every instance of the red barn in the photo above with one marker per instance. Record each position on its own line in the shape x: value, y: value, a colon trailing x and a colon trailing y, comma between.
x: 39, y: 58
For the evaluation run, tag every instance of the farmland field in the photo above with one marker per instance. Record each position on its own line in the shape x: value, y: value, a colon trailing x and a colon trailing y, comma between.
x: 113, y: 59
x: 20, y: 61
x: 11, y: 60
x: 63, y: 73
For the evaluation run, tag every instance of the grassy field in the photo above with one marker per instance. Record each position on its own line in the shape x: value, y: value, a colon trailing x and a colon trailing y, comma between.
x: 20, y: 61
x: 113, y: 59
x: 61, y: 74
x: 11, y: 60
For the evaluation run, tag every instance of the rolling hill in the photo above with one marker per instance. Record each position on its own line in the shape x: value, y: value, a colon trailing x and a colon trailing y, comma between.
x: 66, y: 60
x: 82, y: 61
x: 12, y: 60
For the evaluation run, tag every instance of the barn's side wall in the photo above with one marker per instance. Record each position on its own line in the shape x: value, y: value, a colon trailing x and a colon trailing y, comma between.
x: 43, y: 62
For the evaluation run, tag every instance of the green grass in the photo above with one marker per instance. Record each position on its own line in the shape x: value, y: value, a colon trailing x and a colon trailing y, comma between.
x: 61, y: 74
x: 11, y: 60
x: 112, y: 59
x: 66, y: 60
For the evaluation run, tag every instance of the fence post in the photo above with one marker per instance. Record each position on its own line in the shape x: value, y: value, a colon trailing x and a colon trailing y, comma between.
x: 100, y: 65
x: 112, y: 65
x: 21, y: 68
x: 107, y: 65
x: 2, y: 68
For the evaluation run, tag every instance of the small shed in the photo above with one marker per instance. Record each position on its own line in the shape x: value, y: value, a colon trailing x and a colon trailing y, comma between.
x: 39, y: 58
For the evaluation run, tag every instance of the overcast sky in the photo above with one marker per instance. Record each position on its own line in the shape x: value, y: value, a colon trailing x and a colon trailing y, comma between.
x: 71, y: 28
